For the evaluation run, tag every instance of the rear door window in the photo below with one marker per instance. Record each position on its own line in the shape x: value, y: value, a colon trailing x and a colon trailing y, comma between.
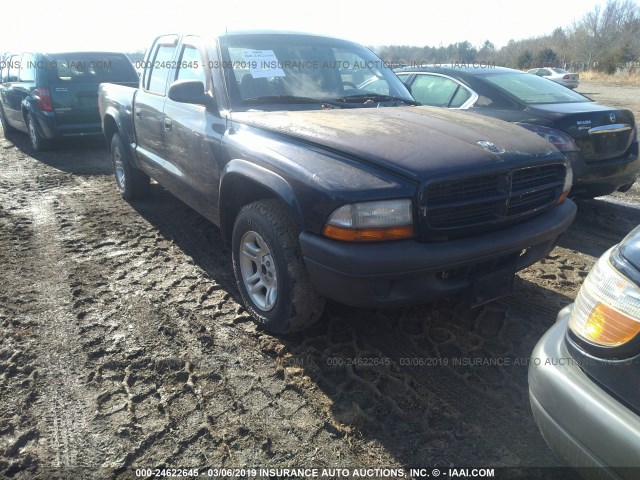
x: 460, y: 97
x: 433, y: 90
x: 27, y: 68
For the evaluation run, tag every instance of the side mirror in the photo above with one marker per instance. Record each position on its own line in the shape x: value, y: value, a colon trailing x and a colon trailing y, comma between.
x: 189, y: 91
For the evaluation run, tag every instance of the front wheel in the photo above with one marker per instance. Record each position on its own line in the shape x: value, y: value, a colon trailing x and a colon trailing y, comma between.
x: 131, y: 182
x: 269, y: 269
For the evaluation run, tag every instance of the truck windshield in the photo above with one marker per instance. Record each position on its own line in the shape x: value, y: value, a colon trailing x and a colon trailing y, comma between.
x: 278, y: 68
x: 90, y: 67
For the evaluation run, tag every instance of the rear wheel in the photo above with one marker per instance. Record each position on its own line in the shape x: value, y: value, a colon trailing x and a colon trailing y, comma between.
x: 38, y: 142
x: 131, y: 182
x: 269, y: 269
x: 6, y: 128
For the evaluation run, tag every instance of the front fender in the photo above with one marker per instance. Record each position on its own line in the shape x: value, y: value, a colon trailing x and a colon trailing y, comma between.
x: 256, y: 180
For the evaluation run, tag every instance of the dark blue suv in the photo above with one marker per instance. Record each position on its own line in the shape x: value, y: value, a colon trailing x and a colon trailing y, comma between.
x: 53, y: 96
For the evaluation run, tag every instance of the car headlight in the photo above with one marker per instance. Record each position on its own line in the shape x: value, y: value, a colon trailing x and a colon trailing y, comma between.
x: 371, y: 221
x: 557, y: 138
x: 606, y: 312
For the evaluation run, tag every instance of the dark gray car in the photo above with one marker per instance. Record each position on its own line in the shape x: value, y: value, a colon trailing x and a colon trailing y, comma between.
x: 600, y: 141
x: 584, y: 374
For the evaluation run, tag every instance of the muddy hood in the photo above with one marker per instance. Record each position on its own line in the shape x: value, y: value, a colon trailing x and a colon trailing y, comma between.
x: 416, y: 141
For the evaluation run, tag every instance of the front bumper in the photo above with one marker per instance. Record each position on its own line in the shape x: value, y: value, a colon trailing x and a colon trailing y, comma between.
x: 594, y: 179
x: 410, y: 272
x: 578, y: 420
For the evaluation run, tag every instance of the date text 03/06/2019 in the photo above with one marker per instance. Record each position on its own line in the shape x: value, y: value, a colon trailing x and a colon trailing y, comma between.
x: 303, y: 473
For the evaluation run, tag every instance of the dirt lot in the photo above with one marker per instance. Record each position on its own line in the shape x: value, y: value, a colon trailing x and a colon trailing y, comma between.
x: 124, y: 345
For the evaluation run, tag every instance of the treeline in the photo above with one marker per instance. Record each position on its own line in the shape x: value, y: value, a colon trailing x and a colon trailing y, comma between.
x: 606, y: 39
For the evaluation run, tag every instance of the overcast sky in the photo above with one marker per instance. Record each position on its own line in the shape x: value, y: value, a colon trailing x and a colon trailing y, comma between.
x: 131, y: 25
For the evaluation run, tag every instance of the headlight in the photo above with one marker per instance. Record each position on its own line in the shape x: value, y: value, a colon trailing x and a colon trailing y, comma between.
x: 557, y: 138
x: 371, y: 221
x: 606, y: 312
x: 568, y: 182
x: 562, y: 142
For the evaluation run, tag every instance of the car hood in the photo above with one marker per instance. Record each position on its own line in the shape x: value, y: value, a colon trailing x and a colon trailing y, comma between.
x: 419, y: 142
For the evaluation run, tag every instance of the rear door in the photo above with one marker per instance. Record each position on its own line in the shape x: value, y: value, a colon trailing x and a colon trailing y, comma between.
x: 148, y: 119
x: 73, y: 80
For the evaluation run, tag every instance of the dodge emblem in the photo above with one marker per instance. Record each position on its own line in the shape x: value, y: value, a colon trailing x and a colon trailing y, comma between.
x: 490, y: 147
x: 612, y: 117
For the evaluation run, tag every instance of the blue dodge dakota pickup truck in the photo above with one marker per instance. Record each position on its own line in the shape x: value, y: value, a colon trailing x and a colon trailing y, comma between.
x: 326, y: 189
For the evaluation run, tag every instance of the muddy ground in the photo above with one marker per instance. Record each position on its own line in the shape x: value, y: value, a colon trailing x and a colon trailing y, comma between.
x: 123, y: 344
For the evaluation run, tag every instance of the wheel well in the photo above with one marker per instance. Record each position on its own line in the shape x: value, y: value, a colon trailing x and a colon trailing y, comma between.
x: 110, y: 128
x: 238, y: 192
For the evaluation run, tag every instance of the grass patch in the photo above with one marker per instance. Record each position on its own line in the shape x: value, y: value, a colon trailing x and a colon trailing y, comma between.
x: 617, y: 78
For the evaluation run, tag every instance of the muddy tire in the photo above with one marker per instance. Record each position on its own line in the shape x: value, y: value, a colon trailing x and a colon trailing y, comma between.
x: 38, y: 142
x: 132, y: 183
x: 269, y: 269
x: 6, y: 128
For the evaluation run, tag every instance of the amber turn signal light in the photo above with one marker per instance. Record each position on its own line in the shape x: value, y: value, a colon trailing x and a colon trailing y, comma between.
x: 368, y: 234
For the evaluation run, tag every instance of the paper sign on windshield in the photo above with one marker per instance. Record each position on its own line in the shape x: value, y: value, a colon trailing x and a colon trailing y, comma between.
x: 262, y: 63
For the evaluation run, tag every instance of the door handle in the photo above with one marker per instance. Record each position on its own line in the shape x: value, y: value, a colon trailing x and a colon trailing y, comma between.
x: 167, y: 123
x: 138, y: 112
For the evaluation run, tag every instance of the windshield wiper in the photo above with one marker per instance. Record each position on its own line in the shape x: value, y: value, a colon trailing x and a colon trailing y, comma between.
x: 292, y: 99
x: 375, y: 97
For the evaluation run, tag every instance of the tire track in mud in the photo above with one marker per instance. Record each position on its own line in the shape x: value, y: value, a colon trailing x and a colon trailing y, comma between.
x: 60, y: 409
x: 197, y: 388
x: 431, y: 406
x: 168, y: 359
x: 65, y: 427
x: 18, y: 374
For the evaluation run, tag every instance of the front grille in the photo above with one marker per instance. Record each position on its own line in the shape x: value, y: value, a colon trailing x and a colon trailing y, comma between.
x: 468, y: 188
x: 454, y: 205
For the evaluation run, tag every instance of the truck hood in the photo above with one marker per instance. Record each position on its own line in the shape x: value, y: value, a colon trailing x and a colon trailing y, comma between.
x: 415, y: 141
